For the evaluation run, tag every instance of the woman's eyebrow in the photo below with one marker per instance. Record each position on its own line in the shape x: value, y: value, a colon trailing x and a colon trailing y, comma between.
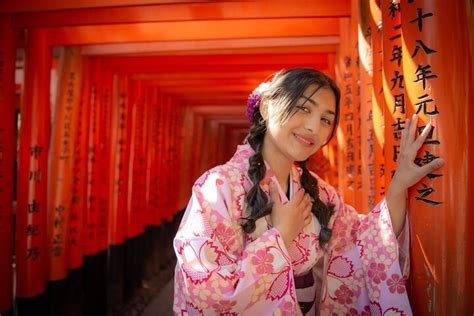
x: 315, y: 104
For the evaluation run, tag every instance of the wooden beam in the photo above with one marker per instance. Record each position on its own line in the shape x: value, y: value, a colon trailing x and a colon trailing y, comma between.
x: 34, y: 5
x: 295, y: 44
x: 332, y: 49
x: 193, y: 30
x: 186, y: 82
x: 199, y: 75
x: 213, y: 62
x: 61, y: 13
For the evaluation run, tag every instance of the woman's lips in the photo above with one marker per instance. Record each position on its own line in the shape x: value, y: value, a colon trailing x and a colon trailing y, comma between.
x: 305, y: 141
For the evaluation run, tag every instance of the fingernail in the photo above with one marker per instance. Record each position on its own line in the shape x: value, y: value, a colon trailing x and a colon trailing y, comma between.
x: 441, y: 162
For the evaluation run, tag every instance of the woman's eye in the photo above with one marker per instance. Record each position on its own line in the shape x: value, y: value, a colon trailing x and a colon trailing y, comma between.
x: 303, y: 108
x: 326, y: 121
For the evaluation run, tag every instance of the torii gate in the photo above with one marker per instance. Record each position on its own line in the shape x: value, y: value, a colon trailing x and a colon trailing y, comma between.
x: 169, y: 79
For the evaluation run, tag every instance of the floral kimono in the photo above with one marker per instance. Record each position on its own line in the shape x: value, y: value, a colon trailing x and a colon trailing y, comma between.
x: 221, y: 270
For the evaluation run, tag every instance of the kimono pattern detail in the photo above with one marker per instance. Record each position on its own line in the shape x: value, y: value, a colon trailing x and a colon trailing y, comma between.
x: 221, y: 270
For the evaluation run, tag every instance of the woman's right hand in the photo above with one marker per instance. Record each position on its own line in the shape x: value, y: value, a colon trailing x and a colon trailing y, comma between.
x: 290, y: 218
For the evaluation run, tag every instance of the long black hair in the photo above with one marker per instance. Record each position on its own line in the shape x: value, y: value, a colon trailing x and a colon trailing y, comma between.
x: 284, y: 90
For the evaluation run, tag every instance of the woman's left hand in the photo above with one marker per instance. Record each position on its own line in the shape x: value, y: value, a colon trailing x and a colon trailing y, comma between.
x: 408, y: 173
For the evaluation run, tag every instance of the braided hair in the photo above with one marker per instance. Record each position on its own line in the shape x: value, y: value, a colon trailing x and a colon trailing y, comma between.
x: 285, y: 88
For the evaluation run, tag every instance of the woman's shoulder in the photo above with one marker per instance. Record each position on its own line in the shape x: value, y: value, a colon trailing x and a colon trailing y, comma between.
x: 221, y: 186
x: 226, y: 174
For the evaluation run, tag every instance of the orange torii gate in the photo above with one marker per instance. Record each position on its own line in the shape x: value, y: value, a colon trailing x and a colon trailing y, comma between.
x: 121, y: 112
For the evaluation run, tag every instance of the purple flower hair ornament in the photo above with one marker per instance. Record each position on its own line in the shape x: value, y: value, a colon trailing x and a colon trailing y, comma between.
x: 253, y: 101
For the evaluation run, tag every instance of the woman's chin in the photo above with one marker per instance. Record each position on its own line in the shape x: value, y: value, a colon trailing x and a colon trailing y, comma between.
x: 301, y: 157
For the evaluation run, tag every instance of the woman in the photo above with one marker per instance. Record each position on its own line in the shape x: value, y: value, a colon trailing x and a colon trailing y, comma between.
x: 262, y: 235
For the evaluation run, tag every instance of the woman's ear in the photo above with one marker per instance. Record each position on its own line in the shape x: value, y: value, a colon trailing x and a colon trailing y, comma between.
x: 264, y: 109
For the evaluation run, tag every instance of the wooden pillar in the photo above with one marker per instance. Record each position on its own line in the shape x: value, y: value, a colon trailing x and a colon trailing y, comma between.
x: 188, y: 160
x: 377, y: 101
x: 104, y: 97
x: 7, y: 158
x: 94, y: 167
x: 365, y: 33
x: 31, y: 253
x: 438, y: 71
x: 346, y: 134
x: 154, y: 164
x: 79, y: 186
x: 393, y: 85
x: 135, y: 182
x: 119, y: 163
x: 356, y: 88
x: 61, y: 163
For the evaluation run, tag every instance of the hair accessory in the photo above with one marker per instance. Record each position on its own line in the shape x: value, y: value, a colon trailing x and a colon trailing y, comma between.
x: 254, y: 99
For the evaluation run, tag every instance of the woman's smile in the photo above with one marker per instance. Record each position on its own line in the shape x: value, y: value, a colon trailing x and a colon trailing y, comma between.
x: 306, y: 141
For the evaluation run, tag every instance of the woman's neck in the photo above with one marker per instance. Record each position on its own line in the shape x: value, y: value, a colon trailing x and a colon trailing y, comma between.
x: 279, y: 164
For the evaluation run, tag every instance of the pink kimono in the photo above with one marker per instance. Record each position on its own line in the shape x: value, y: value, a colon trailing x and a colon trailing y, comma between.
x: 223, y: 271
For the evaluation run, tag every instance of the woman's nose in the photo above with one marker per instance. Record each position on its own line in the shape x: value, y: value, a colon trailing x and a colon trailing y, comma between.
x: 313, y: 124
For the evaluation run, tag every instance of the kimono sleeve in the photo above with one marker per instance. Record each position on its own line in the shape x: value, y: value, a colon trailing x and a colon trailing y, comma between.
x: 375, y: 232
x: 217, y: 271
x: 383, y: 258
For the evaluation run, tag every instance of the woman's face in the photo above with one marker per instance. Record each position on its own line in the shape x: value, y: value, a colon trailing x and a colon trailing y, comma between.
x: 307, y: 128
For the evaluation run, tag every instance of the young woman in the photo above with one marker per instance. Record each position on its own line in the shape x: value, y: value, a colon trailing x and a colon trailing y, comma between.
x: 262, y: 235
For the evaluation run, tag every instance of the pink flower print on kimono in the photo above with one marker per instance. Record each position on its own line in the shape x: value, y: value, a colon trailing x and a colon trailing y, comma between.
x: 221, y: 270
x: 263, y: 262
x: 217, y: 272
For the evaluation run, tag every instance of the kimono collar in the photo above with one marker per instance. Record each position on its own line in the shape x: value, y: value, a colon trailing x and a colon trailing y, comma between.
x: 241, y: 159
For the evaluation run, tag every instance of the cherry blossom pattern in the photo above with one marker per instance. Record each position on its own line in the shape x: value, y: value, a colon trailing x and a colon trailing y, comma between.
x: 377, y: 272
x: 396, y: 284
x: 344, y: 295
x: 263, y: 261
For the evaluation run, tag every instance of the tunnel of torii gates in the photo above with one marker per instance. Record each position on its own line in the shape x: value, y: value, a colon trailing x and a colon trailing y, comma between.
x: 111, y: 109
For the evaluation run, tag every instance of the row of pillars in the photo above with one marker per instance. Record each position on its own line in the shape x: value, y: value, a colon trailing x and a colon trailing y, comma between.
x: 96, y: 183
x: 125, y: 144
x: 397, y: 59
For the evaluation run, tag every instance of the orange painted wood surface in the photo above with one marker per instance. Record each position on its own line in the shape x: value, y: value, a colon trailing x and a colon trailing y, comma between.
x: 7, y: 158
x: 165, y: 85
x: 436, y: 63
x: 31, y: 226
x: 61, y: 163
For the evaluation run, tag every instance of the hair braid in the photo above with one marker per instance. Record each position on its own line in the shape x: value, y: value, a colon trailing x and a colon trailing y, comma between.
x: 322, y: 211
x: 256, y: 198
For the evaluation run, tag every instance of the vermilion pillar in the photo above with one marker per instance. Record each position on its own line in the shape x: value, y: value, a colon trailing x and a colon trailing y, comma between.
x: 61, y: 163
x: 94, y: 168
x: 177, y: 156
x: 7, y: 156
x: 79, y: 186
x: 188, y: 160
x: 365, y: 33
x: 151, y: 143
x: 33, y: 168
x: 104, y: 91
x: 356, y: 101
x: 438, y: 71
x: 395, y: 109
x: 135, y: 182
x: 152, y: 161
x: 165, y: 170
x: 119, y: 154
x: 346, y: 133
x: 377, y: 100
x: 145, y: 119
